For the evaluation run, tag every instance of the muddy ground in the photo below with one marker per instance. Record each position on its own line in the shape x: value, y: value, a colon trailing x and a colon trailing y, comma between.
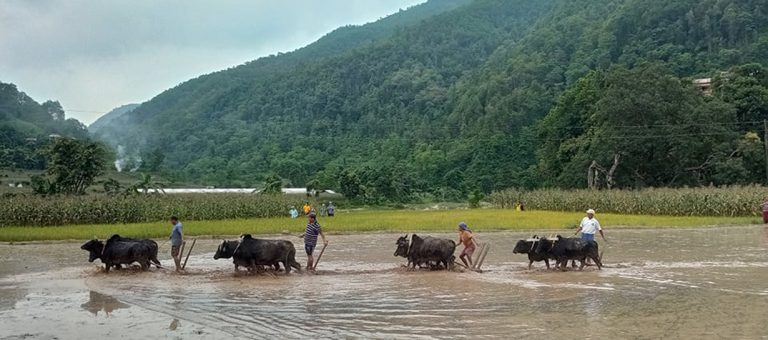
x: 705, y: 283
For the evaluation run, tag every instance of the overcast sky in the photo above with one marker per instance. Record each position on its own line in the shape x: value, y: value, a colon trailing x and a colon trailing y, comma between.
x: 95, y: 55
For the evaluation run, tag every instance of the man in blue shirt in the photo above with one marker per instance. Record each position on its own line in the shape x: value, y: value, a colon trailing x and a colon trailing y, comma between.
x: 310, y: 238
x: 177, y: 239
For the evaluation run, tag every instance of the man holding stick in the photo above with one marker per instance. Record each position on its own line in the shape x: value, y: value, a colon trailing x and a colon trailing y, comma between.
x: 177, y: 239
x: 310, y: 238
x: 589, y: 226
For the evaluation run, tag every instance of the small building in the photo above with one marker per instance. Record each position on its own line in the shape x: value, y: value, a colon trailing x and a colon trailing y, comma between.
x: 704, y: 85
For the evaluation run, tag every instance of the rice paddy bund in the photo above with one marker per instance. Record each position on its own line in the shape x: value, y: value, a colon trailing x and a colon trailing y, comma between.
x: 354, y: 221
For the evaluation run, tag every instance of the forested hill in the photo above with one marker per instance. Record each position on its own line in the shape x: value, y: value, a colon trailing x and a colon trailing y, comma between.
x: 482, y: 95
x: 111, y: 120
x: 26, y: 126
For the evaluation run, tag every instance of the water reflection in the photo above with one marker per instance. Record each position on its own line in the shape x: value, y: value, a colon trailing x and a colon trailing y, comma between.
x: 99, y: 302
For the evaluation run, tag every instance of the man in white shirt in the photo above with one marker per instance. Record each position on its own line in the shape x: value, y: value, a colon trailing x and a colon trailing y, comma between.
x: 589, y: 226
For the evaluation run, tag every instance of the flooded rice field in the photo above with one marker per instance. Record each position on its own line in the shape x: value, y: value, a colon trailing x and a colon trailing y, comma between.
x: 703, y: 283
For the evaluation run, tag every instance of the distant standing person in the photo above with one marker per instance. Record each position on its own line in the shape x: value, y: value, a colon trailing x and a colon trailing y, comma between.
x: 765, y: 210
x: 310, y: 238
x: 307, y: 209
x: 177, y: 239
x: 589, y: 226
x: 323, y: 210
x: 293, y: 212
x: 331, y: 209
x: 468, y: 240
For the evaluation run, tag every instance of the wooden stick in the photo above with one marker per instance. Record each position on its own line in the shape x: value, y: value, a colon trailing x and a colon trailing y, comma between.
x: 479, y: 253
x: 181, y: 251
x: 482, y: 256
x: 314, y: 266
x: 188, y: 253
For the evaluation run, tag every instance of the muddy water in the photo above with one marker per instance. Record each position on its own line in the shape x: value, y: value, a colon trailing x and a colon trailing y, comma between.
x: 706, y: 283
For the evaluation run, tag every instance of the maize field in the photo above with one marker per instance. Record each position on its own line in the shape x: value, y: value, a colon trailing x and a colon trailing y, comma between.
x: 706, y: 201
x: 28, y: 210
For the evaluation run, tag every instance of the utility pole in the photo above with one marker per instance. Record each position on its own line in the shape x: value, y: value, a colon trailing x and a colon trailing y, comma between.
x: 765, y: 141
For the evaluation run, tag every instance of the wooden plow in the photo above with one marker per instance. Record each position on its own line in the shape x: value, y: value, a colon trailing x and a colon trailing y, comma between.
x: 320, y: 256
x: 188, y: 253
x: 477, y: 264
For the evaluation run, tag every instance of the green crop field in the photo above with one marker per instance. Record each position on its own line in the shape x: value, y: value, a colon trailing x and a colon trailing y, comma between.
x: 480, y: 220
x: 698, y: 201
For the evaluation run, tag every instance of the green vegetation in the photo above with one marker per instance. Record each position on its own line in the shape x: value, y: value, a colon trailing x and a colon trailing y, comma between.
x: 73, y: 166
x: 644, y: 127
x: 27, y: 210
x: 482, y: 95
x: 325, y: 116
x: 406, y: 221
x: 449, y: 101
x: 726, y: 201
x: 27, y: 128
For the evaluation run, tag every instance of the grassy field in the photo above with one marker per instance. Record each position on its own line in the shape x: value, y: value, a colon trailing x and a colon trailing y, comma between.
x: 370, y: 221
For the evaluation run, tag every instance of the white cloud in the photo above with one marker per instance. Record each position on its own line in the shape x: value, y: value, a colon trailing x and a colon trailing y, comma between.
x: 93, y: 56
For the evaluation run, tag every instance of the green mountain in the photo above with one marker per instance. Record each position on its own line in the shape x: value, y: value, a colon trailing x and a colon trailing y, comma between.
x: 451, y: 96
x: 26, y: 126
x: 111, y: 119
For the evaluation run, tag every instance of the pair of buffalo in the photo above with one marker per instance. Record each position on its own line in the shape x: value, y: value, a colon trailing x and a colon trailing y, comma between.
x: 426, y: 251
x: 247, y: 252
x: 118, y: 251
x: 254, y: 254
x: 561, y: 250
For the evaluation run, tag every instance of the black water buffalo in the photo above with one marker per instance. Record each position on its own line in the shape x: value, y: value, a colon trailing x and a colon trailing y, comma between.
x: 153, y: 248
x: 565, y: 249
x: 250, y: 252
x: 118, y: 251
x: 96, y: 250
x: 529, y: 247
x: 426, y: 250
x: 227, y: 249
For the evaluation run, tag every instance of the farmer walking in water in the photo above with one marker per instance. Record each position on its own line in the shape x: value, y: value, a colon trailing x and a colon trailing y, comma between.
x: 589, y: 226
x: 467, y: 238
x: 177, y: 239
x: 310, y: 238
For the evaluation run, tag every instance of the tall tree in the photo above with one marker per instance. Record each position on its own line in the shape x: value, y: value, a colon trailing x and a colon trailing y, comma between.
x: 74, y: 165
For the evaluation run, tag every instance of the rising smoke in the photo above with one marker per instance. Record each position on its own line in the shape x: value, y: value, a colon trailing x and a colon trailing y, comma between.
x: 124, y: 160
